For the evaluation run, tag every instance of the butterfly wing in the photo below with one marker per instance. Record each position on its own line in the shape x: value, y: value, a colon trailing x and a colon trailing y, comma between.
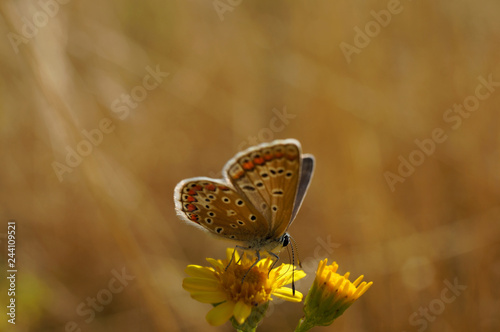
x: 214, y: 206
x: 268, y: 176
x: 306, y: 172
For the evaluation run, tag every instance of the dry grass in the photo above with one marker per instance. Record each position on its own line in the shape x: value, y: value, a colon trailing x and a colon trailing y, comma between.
x: 115, y: 210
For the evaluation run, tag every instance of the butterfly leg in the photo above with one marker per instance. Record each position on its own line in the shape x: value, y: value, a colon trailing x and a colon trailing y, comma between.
x: 274, y: 262
x: 257, y: 253
x: 232, y: 256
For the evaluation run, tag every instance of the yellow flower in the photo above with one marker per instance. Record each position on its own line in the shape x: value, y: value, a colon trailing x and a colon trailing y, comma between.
x: 235, y: 289
x: 330, y: 295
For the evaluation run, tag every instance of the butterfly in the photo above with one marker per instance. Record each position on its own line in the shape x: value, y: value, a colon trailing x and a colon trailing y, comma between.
x: 256, y: 201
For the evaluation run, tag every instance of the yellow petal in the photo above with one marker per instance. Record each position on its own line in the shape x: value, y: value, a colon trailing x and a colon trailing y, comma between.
x: 297, y: 275
x: 241, y: 312
x: 199, y: 271
x: 287, y: 294
x: 209, y: 297
x: 230, y: 252
x: 192, y: 284
x: 220, y: 314
x: 216, y: 263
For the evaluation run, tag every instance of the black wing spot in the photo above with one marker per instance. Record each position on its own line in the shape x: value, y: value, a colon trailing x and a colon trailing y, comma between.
x: 226, y: 200
x: 241, y: 222
x: 249, y: 188
x: 259, y: 184
x: 273, y: 172
x: 289, y: 174
x: 264, y: 175
x: 211, y: 214
x: 219, y: 230
x: 209, y: 220
x: 277, y: 192
x: 234, y: 226
x: 253, y: 217
x: 280, y: 171
x: 239, y: 202
x: 275, y: 208
x: 211, y: 196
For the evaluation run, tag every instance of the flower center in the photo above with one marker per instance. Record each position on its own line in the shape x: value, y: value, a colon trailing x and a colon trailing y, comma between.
x: 240, y: 283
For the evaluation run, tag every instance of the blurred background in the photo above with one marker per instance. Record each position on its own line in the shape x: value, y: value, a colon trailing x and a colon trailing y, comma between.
x: 106, y: 106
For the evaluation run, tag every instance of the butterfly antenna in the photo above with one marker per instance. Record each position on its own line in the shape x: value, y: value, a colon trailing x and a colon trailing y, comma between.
x: 294, y: 247
x: 293, y: 269
x: 294, y: 244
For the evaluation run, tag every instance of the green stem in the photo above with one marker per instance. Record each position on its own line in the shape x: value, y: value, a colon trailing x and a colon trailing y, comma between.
x: 251, y: 323
x: 304, y: 325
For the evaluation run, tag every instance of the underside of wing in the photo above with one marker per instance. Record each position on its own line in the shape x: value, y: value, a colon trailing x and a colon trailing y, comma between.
x: 268, y: 176
x: 217, y: 208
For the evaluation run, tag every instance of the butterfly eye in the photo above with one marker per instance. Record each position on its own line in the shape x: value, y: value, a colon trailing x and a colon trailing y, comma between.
x: 285, y: 240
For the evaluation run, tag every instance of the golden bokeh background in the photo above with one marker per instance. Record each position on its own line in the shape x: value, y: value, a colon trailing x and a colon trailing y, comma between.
x: 229, y: 74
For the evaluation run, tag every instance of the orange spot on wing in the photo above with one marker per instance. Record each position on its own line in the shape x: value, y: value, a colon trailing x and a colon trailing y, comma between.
x: 248, y: 166
x: 191, y: 199
x: 191, y: 207
x: 210, y: 187
x: 259, y: 160
x: 193, y: 190
x: 194, y: 217
x: 238, y: 174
